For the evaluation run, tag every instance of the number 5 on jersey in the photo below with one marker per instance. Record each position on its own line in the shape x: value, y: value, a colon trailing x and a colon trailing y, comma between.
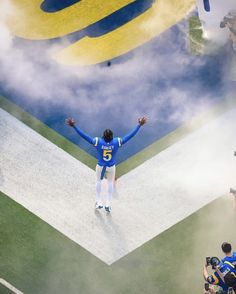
x: 107, y: 156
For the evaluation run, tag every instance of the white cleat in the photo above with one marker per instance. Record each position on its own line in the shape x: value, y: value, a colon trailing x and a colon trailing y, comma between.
x: 98, y: 206
x: 233, y: 192
x: 108, y: 208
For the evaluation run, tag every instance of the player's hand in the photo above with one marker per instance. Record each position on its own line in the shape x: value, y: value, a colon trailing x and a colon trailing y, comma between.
x: 70, y: 121
x: 142, y: 120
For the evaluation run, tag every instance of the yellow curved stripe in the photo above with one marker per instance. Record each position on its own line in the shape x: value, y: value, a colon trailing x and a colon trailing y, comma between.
x: 161, y: 16
x: 216, y: 280
x: 28, y: 21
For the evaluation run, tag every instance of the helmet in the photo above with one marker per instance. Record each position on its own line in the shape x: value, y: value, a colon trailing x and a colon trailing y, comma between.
x: 108, y: 135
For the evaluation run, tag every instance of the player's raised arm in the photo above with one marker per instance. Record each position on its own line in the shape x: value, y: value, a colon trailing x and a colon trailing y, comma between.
x: 141, y: 122
x: 71, y: 122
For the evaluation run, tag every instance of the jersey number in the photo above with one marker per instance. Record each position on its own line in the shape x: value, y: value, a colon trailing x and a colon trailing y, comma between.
x: 107, y: 155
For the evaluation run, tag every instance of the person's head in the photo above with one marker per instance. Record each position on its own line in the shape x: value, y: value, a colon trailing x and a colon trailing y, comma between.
x: 108, y: 135
x: 230, y: 280
x: 226, y: 248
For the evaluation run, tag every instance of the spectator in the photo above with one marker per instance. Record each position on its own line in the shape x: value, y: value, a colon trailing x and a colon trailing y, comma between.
x: 230, y: 280
x: 229, y: 255
x: 214, y: 290
x: 233, y: 192
x: 217, y: 278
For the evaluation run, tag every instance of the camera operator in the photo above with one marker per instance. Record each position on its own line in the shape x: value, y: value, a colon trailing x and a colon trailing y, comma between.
x: 230, y: 280
x: 229, y: 21
x: 220, y: 271
x: 230, y: 256
x: 233, y: 191
x: 210, y: 289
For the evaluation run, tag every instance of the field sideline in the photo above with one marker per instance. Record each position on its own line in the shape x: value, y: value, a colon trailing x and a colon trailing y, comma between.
x: 106, y: 64
x: 39, y: 259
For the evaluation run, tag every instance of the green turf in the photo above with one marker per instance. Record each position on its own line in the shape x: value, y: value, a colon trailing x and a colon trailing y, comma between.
x: 4, y: 290
x: 133, y: 161
x: 47, y: 132
x: 175, y: 136
x: 196, y: 40
x: 38, y: 259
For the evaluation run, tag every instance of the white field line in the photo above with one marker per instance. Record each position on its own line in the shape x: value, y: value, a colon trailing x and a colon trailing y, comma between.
x: 148, y: 200
x: 10, y: 287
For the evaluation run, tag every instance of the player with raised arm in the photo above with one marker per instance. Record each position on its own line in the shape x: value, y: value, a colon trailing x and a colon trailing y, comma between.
x: 107, y: 147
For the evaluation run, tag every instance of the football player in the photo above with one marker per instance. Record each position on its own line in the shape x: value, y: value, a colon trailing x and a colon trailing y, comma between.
x: 107, y: 147
x: 217, y: 278
x: 230, y: 256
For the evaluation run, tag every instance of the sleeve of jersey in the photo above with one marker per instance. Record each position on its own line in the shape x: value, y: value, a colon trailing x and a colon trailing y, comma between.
x: 83, y: 135
x: 126, y: 138
x: 213, y: 280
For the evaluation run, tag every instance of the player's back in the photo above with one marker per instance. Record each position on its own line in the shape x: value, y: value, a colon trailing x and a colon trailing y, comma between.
x: 231, y: 259
x: 107, y: 150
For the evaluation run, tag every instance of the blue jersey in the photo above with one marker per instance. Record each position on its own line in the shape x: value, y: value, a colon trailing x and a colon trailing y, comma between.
x: 231, y: 259
x: 107, y: 151
x: 215, y: 278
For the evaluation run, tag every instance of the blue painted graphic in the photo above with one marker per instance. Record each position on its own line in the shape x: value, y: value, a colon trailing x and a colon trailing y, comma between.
x: 207, y: 5
x: 160, y: 80
x: 55, y: 5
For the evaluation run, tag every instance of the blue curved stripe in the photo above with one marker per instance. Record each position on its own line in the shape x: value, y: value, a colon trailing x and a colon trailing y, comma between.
x: 207, y: 77
x: 55, y: 5
x: 119, y: 18
x: 112, y: 21
x: 104, y: 26
x: 207, y: 5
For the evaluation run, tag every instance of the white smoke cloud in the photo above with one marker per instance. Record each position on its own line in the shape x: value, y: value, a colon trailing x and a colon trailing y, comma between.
x: 211, y: 20
x: 133, y: 86
x: 143, y: 83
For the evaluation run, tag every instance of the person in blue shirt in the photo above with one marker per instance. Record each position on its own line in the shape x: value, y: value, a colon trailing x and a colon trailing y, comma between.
x: 107, y: 147
x: 230, y: 257
x: 217, y: 278
x: 233, y: 192
x: 230, y: 280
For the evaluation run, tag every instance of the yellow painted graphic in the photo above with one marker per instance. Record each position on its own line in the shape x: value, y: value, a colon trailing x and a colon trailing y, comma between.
x: 161, y: 16
x: 31, y: 22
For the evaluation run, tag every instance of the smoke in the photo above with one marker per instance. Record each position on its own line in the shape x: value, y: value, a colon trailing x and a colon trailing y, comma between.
x: 155, y: 74
x: 160, y: 79
x: 211, y: 20
x: 206, y: 230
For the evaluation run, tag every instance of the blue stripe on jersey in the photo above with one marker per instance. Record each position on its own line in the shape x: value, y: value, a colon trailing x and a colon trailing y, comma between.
x: 103, y: 172
x: 231, y: 259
